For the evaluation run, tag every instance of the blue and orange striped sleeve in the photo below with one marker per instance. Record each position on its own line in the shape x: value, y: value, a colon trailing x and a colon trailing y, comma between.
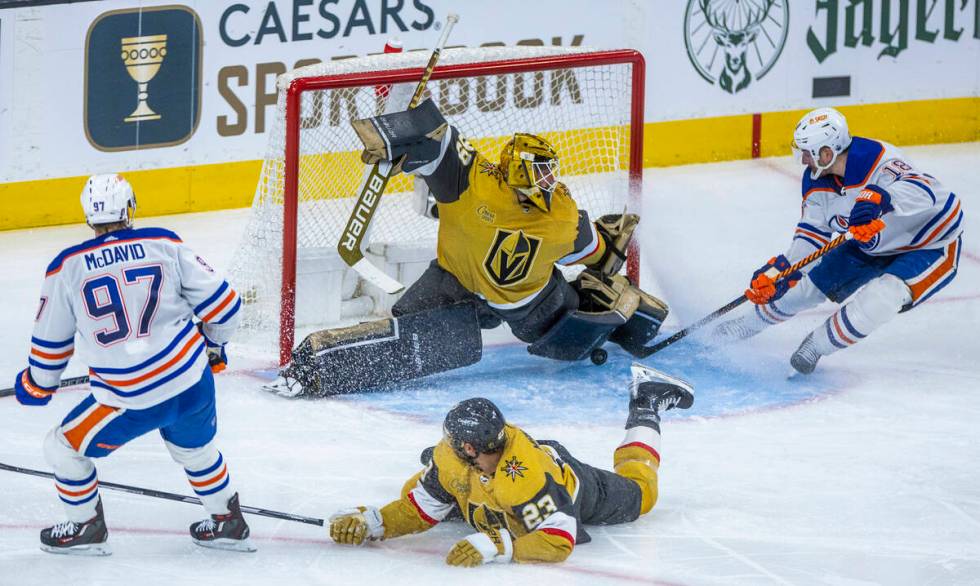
x: 213, y: 300
x: 53, y: 339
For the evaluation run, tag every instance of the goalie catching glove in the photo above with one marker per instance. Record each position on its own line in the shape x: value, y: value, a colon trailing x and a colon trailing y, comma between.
x: 409, y: 139
x: 617, y: 232
x: 357, y: 525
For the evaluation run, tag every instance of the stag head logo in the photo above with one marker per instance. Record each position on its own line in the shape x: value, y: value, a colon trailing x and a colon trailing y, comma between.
x: 732, y: 42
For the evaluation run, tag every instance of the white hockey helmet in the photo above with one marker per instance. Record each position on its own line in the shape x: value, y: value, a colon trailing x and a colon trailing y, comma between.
x: 823, y: 127
x: 107, y: 199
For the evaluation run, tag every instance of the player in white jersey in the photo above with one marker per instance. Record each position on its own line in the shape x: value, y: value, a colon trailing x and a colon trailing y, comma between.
x: 131, y: 295
x: 906, y: 229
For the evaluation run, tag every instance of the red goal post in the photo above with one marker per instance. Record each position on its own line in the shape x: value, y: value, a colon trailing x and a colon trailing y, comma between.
x: 295, y: 125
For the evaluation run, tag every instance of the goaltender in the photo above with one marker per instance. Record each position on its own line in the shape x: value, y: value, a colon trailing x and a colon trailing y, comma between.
x: 526, y: 499
x: 503, y: 227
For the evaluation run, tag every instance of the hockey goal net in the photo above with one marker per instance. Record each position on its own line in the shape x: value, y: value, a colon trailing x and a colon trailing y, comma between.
x: 588, y: 103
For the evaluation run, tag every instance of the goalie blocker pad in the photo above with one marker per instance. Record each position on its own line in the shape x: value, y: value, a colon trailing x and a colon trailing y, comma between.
x: 377, y: 353
x: 415, y: 133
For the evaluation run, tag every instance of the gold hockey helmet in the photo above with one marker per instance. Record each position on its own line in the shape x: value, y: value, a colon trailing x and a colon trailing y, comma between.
x: 530, y: 165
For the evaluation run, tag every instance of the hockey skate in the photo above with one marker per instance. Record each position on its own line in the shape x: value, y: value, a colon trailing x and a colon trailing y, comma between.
x: 88, y: 538
x: 285, y: 386
x: 805, y: 359
x: 652, y: 392
x: 228, y: 531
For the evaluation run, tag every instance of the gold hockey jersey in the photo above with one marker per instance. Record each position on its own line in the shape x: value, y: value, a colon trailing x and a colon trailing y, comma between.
x: 498, y: 248
x: 532, y: 495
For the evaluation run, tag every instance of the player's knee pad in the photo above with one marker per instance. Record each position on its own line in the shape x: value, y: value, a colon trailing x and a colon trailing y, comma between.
x: 576, y: 334
x: 63, y: 458
x: 374, y: 354
x: 193, y: 458
x: 643, y: 472
x: 880, y: 300
x: 642, y: 326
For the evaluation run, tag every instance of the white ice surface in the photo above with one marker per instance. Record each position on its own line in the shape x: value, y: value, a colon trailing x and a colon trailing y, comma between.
x: 875, y: 481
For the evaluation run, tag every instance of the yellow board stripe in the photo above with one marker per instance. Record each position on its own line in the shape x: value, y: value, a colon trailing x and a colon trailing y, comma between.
x: 197, y: 188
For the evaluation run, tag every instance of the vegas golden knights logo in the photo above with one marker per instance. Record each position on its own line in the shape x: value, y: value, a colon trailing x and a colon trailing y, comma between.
x: 483, y: 518
x: 511, y: 256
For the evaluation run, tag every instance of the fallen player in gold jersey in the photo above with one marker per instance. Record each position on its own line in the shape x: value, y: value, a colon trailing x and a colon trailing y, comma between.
x: 526, y: 499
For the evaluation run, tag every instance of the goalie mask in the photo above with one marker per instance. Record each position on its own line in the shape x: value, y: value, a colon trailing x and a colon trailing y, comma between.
x: 530, y: 166
x: 477, y: 422
x: 823, y: 127
x: 107, y: 199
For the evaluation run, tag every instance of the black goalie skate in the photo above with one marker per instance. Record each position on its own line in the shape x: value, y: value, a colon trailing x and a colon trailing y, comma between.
x: 652, y: 392
x: 88, y: 538
x: 228, y: 531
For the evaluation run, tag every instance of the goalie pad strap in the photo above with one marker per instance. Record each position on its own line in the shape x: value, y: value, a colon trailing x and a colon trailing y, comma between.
x: 374, y: 354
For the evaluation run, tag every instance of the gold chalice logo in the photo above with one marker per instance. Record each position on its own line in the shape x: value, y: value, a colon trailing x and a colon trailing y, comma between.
x: 143, y: 57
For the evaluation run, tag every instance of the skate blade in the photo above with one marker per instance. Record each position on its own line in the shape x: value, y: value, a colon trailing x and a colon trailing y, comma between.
x: 649, y: 374
x: 281, y: 388
x: 243, y: 545
x: 91, y: 549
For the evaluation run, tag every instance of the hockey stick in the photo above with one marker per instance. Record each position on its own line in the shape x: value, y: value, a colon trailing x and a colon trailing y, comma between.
x: 65, y: 382
x: 171, y: 496
x: 742, y: 298
x: 374, y: 186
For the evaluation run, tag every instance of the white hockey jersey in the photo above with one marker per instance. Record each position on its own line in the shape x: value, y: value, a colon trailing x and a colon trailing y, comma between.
x: 924, y: 214
x: 131, y: 295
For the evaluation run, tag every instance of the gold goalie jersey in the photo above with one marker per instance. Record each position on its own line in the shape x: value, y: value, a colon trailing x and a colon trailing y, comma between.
x: 532, y: 495
x: 498, y: 248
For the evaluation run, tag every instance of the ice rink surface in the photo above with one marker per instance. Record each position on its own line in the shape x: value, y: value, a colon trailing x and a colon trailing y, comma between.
x: 864, y: 473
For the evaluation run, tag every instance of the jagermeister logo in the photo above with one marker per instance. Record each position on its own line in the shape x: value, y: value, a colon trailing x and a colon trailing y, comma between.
x: 733, y: 42
x: 511, y: 256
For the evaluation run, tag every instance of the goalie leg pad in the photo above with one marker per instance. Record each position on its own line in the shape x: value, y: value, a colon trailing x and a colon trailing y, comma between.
x: 643, y: 326
x: 378, y: 353
x: 416, y: 133
x: 576, y: 334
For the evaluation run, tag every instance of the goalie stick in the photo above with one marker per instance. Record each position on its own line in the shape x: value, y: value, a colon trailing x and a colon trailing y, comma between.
x: 171, y: 496
x: 742, y: 298
x: 352, y: 237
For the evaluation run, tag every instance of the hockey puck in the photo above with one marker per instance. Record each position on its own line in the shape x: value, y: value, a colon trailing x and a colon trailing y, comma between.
x: 598, y: 356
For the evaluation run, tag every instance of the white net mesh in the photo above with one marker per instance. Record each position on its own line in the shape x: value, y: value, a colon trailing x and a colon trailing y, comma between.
x: 583, y: 111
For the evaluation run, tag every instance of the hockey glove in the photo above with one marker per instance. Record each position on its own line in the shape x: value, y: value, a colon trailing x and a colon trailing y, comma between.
x: 764, y: 289
x: 29, y: 392
x: 414, y: 134
x: 357, y: 525
x: 495, y: 545
x: 217, y: 358
x: 865, y: 220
